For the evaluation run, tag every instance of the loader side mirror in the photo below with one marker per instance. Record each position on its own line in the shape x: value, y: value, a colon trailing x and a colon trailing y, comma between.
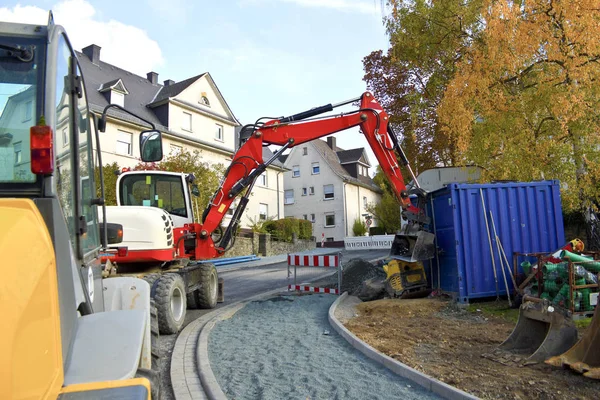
x: 151, y: 146
x: 195, y: 190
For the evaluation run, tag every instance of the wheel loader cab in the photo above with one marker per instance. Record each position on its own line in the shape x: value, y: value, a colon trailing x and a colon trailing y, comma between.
x: 66, y: 330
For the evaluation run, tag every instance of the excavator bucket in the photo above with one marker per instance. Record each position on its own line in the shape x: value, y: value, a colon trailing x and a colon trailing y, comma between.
x: 584, y: 357
x: 542, y: 331
x: 413, y: 247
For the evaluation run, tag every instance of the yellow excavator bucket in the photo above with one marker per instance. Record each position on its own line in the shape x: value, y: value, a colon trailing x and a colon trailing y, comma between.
x: 542, y: 331
x: 584, y: 356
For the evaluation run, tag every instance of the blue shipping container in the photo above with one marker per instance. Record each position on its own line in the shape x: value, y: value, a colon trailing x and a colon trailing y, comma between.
x: 528, y: 218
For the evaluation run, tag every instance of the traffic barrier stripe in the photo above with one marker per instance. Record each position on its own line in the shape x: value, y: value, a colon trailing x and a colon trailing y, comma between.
x: 313, y: 289
x: 313, y: 261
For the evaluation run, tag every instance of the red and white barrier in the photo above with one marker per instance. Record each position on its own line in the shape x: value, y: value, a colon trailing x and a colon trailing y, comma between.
x: 313, y: 289
x: 313, y: 261
x: 324, y: 261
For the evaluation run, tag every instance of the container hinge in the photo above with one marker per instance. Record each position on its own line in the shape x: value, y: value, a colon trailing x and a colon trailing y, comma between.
x: 457, y: 242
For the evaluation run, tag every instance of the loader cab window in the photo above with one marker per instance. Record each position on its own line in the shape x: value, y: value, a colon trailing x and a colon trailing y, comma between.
x: 154, y: 190
x: 74, y: 159
x: 22, y: 63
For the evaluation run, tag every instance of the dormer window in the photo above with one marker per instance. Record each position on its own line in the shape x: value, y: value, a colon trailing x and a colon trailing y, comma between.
x: 117, y: 98
x: 204, y: 101
x: 114, y: 92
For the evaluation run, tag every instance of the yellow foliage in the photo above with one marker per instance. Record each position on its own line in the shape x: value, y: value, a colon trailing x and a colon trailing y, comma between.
x: 524, y: 100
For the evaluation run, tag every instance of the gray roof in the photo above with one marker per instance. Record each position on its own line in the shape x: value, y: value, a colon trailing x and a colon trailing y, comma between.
x: 174, y: 89
x: 141, y: 90
x: 333, y: 161
x: 352, y: 156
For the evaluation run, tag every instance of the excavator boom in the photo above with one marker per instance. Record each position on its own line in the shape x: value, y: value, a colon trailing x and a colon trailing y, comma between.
x: 288, y: 132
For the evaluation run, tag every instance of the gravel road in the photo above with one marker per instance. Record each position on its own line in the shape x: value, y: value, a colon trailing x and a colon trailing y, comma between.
x: 284, y: 348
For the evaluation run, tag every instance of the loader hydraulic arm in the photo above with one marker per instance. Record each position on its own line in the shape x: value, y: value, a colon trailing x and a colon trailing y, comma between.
x: 288, y: 132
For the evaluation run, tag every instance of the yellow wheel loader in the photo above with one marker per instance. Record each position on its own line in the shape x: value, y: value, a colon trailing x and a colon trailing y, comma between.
x: 67, y: 333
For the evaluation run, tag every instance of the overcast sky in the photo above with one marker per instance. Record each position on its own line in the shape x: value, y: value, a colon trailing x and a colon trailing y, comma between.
x: 268, y: 57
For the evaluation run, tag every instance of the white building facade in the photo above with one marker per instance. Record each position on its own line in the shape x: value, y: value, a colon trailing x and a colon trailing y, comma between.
x: 192, y: 116
x: 321, y: 185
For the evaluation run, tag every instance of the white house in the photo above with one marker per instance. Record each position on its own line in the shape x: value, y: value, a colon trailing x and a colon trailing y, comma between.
x: 191, y: 114
x: 330, y: 187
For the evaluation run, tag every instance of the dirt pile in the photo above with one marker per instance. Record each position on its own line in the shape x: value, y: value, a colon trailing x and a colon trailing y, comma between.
x: 447, y: 342
x: 356, y: 272
x: 358, y: 278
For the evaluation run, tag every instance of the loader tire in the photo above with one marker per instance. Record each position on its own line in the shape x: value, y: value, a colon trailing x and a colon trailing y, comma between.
x: 206, y: 296
x: 151, y: 278
x: 154, y: 335
x: 192, y: 302
x: 170, y: 303
x: 154, y: 378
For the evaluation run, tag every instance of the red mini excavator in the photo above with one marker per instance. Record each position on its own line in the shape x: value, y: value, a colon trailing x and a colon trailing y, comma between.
x: 206, y: 241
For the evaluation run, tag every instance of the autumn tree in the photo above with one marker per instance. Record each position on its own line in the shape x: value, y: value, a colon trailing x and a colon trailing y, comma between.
x: 109, y: 172
x: 386, y: 211
x: 524, y: 100
x: 426, y: 41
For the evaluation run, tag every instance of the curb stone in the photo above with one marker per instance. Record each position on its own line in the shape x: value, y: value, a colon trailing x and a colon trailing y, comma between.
x: 190, y: 367
x: 403, y: 370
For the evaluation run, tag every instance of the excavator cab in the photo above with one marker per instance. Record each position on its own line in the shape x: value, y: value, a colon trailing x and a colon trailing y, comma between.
x: 68, y: 333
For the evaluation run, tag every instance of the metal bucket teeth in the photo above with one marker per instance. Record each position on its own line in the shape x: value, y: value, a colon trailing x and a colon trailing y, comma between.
x: 413, y: 247
x: 583, y: 357
x: 541, y: 332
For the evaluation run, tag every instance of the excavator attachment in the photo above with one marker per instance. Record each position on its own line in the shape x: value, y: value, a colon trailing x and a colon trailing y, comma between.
x: 542, y: 331
x: 584, y: 357
x: 405, y: 280
x: 413, y: 247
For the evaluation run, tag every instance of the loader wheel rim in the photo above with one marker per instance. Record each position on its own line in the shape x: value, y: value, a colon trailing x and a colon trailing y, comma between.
x: 177, y: 304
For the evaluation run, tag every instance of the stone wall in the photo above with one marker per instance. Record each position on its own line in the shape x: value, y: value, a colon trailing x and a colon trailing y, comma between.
x: 250, y: 244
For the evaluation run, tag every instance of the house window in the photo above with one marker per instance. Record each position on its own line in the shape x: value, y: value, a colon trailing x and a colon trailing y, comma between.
x: 123, y: 143
x: 315, y: 168
x: 305, y: 151
x: 18, y: 153
x: 175, y: 150
x: 304, y: 191
x: 329, y: 220
x: 311, y: 190
x: 288, y: 196
x: 365, y: 201
x: 117, y: 98
x: 219, y: 132
x: 262, y: 211
x: 262, y: 179
x: 305, y: 216
x: 186, y: 123
x: 65, y: 137
x: 328, y: 192
x: 27, y: 110
x: 295, y: 171
x: 312, y: 217
x: 204, y: 101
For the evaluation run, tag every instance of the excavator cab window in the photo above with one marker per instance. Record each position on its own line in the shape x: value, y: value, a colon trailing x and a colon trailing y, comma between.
x: 155, y: 190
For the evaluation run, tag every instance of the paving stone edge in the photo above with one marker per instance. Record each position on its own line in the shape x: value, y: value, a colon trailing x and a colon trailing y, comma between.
x: 403, y: 370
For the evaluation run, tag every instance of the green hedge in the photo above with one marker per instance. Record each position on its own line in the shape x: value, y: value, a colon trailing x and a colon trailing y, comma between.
x: 283, y: 229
